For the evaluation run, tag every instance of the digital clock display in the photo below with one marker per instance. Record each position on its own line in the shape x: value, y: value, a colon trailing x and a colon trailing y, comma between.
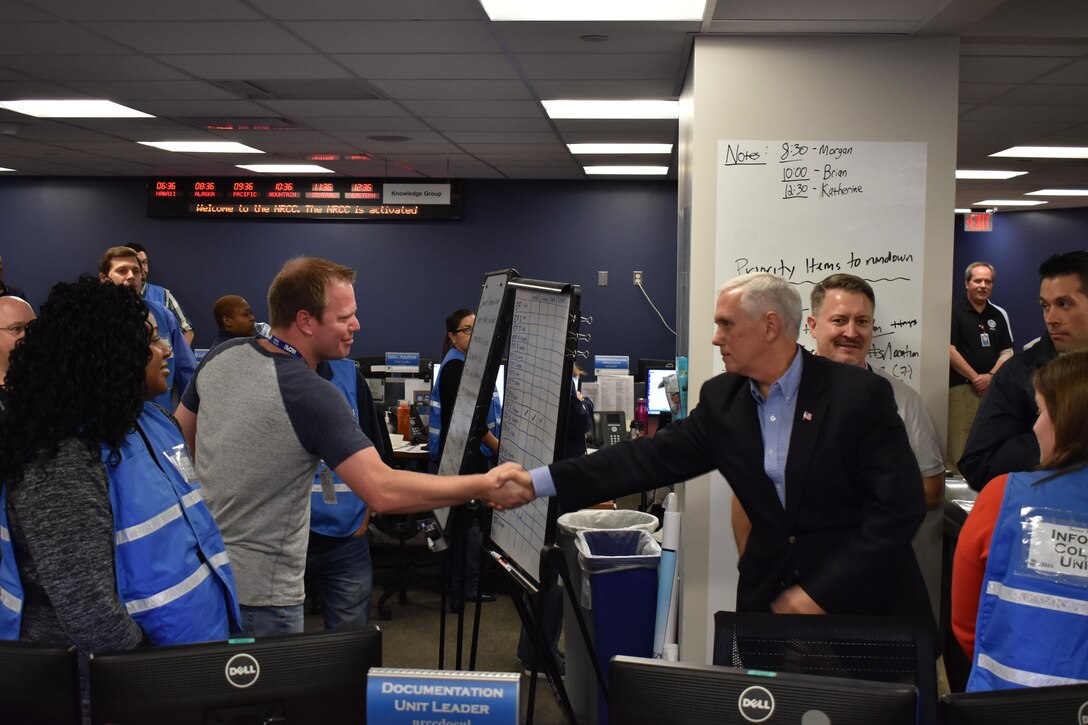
x: 297, y: 198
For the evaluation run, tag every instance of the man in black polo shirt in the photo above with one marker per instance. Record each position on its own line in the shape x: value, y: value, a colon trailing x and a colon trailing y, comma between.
x: 980, y: 344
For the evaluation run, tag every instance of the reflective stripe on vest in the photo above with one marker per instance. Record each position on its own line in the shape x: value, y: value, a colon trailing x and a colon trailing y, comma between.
x: 1032, y: 625
x: 344, y: 517
x: 11, y: 586
x: 160, y: 517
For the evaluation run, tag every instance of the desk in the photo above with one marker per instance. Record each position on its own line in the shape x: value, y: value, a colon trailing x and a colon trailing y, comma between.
x: 410, y: 456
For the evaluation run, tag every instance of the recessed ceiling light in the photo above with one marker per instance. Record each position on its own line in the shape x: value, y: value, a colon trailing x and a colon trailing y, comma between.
x: 2, y: 168
x: 1045, y: 152
x: 1058, y: 192
x: 206, y: 147
x: 627, y: 170
x: 612, y: 109
x: 568, y: 10
x: 983, y: 174
x: 73, y: 109
x: 620, y: 148
x: 286, y: 168
x: 1008, y: 202
x: 964, y: 211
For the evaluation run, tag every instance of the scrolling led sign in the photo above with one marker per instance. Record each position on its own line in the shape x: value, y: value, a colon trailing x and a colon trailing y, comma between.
x: 302, y: 198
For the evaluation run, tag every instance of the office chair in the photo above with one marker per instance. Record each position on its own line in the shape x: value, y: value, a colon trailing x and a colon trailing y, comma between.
x: 885, y: 649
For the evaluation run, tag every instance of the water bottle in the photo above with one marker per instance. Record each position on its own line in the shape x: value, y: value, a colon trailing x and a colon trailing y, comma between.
x: 642, y: 414
x: 263, y: 329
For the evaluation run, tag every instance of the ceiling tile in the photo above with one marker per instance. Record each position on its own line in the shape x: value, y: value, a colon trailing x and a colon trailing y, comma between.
x: 421, y: 36
x: 255, y: 66
x: 454, y: 89
x: 460, y: 66
x: 202, y: 38
x: 44, y: 38
x: 482, y: 108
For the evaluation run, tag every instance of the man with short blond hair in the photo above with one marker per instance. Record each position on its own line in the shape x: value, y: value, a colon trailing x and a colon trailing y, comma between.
x: 261, y: 421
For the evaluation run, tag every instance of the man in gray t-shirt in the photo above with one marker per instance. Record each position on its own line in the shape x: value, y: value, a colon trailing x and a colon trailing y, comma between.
x: 259, y: 420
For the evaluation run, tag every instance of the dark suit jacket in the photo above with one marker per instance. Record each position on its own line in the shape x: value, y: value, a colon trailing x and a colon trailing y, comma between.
x: 854, y: 495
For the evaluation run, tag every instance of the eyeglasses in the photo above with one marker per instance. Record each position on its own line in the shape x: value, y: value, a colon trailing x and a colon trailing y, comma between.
x: 463, y: 331
x: 16, y: 330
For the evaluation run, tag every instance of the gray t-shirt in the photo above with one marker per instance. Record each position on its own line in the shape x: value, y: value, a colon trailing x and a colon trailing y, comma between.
x: 264, y: 422
x: 923, y: 436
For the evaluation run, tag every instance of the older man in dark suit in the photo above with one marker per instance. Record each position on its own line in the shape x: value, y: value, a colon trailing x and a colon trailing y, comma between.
x: 814, y: 450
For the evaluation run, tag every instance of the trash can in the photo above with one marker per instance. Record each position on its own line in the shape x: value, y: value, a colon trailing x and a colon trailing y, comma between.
x: 619, y: 587
x: 580, y: 682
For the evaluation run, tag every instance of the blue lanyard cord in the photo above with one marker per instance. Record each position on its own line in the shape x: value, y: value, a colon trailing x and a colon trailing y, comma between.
x: 285, y: 346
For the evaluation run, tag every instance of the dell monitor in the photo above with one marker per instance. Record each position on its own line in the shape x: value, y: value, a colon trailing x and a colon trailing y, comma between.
x: 1062, y: 705
x: 297, y: 678
x: 648, y: 692
x: 645, y: 364
x: 38, y: 684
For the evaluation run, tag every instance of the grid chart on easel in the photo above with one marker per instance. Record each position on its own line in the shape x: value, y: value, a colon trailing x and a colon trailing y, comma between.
x: 534, y: 373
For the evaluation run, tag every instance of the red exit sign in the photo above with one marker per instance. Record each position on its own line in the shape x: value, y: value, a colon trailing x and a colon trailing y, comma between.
x: 978, y: 222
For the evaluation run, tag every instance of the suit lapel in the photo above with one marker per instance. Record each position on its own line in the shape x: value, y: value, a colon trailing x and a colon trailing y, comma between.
x: 813, y: 401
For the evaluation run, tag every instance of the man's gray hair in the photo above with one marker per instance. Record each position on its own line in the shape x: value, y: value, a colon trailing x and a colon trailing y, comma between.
x: 764, y: 292
x: 972, y: 265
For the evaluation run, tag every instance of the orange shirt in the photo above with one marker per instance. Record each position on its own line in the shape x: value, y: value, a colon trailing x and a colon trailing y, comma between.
x: 969, y: 565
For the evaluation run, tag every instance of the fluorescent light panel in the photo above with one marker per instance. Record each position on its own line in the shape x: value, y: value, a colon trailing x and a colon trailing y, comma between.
x: 1045, y: 152
x: 206, y: 147
x: 964, y: 211
x: 1008, y: 202
x: 286, y: 168
x: 627, y: 170
x: 982, y: 174
x: 574, y: 10
x: 1058, y: 192
x: 73, y: 109
x: 612, y: 109
x: 620, y: 148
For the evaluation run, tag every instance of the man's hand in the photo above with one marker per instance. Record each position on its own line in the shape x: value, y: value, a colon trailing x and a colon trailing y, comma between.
x: 981, y: 383
x: 795, y: 600
x: 513, y: 487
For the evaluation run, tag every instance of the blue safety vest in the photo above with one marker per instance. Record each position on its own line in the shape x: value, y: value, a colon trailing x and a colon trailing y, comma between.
x: 155, y: 293
x: 173, y: 575
x: 434, y: 417
x: 1032, y: 627
x: 11, y: 586
x: 158, y: 309
x: 344, y: 516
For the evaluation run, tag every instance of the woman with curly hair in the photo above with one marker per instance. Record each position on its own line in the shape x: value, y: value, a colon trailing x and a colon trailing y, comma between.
x: 107, y: 542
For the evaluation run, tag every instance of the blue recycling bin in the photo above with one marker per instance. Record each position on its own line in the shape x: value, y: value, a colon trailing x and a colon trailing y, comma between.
x: 621, y: 569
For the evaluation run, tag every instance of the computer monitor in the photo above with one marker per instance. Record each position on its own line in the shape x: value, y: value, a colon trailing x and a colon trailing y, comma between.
x: 657, y: 398
x: 655, y: 691
x: 646, y: 364
x: 299, y: 678
x: 38, y: 684
x: 1062, y: 705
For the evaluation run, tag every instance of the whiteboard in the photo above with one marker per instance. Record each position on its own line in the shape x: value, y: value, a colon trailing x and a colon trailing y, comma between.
x: 804, y: 210
x: 537, y: 379
x: 481, y: 364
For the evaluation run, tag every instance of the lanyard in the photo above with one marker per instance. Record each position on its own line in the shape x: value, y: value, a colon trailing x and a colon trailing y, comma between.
x: 285, y: 346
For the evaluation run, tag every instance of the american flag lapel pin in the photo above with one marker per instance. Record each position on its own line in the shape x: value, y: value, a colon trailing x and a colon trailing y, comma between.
x: 806, y: 415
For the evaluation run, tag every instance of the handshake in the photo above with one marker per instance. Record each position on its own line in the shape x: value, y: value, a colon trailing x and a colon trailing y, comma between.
x: 511, y: 486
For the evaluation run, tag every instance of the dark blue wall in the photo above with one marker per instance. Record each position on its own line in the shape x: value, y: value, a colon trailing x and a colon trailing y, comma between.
x: 410, y: 275
x: 1019, y: 242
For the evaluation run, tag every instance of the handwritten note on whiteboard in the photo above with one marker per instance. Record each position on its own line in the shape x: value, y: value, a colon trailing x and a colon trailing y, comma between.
x: 534, y: 384
x: 807, y: 209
